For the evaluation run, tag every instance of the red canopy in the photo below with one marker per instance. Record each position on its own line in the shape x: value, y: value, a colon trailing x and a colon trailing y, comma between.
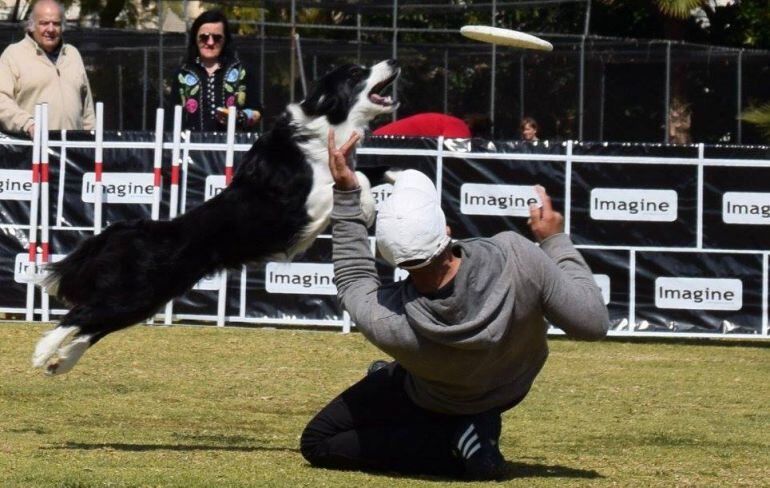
x: 426, y: 125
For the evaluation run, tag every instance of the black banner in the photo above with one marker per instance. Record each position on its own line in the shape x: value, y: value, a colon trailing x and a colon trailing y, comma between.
x: 676, y: 247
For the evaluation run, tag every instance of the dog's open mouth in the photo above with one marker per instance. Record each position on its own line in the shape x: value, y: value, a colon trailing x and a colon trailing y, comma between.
x: 375, y: 94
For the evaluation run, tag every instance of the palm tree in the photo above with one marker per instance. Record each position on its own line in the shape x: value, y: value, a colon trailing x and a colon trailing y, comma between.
x: 759, y: 116
x: 678, y: 9
x: 674, y: 15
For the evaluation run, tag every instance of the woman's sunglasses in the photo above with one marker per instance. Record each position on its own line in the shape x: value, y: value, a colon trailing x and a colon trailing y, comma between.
x: 204, y: 38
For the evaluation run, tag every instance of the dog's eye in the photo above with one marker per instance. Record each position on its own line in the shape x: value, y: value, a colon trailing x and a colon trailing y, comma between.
x: 356, y: 72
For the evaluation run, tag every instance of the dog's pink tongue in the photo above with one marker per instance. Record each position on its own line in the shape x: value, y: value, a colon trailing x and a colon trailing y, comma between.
x: 376, y: 99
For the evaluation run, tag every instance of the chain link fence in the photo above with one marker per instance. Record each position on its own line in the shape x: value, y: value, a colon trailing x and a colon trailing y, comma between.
x: 589, y: 88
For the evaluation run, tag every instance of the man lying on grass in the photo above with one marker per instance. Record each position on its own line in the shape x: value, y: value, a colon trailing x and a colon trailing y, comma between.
x: 466, y: 330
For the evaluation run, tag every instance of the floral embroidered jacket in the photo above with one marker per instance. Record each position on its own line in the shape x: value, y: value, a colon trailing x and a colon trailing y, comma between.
x: 200, y: 95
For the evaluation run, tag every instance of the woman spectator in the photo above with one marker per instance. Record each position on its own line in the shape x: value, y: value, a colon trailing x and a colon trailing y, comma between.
x: 528, y: 128
x: 212, y: 80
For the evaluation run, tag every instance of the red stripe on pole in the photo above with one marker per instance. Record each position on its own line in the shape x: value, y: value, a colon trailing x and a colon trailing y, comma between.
x: 32, y: 250
x: 45, y: 251
x: 35, y: 172
x: 228, y: 175
x: 175, y: 174
x: 98, y: 168
x: 44, y: 173
x: 157, y: 177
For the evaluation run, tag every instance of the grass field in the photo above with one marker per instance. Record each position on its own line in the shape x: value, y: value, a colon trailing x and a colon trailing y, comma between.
x: 200, y: 407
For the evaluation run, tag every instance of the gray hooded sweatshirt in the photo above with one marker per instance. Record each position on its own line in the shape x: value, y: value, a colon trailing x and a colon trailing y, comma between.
x: 480, y: 344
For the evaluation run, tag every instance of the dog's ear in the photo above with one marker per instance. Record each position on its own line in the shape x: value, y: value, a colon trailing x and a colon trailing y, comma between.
x: 317, y: 103
x: 320, y: 104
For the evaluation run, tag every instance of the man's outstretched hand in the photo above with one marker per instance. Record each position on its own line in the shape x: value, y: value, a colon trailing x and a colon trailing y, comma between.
x: 544, y: 221
x: 344, y: 177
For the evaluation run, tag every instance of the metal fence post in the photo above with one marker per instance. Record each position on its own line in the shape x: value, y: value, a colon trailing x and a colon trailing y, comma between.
x: 667, y: 98
x: 120, y: 96
x: 358, y: 36
x: 492, y: 76
x: 144, y: 89
x: 586, y: 32
x: 601, y: 102
x: 521, y: 86
x: 160, y: 53
x: 394, y: 52
x: 262, y: 66
x: 581, y: 87
x: 292, y: 55
x: 446, y: 81
x: 739, y: 98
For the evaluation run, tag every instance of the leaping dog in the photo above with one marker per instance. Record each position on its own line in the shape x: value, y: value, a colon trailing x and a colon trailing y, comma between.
x: 279, y: 200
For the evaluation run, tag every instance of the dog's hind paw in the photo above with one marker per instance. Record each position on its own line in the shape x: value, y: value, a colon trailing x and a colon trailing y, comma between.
x: 68, y: 356
x: 50, y: 343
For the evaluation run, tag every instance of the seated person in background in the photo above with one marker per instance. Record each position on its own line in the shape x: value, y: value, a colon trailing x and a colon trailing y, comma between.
x: 41, y: 68
x: 212, y: 79
x: 528, y: 127
x: 466, y: 330
x: 480, y: 125
x: 427, y: 124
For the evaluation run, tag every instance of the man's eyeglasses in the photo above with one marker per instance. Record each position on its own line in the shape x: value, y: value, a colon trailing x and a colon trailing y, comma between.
x: 204, y: 38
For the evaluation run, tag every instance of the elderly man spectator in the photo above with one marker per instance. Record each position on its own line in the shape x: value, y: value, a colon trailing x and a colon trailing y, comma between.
x: 41, y: 68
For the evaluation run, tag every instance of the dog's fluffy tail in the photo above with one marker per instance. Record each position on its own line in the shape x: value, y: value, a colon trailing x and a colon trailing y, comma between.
x: 70, y: 269
x: 51, y: 281
x: 86, y: 270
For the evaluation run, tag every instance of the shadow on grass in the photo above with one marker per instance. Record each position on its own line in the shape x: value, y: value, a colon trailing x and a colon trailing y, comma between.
x: 725, y: 341
x: 515, y: 470
x: 119, y: 446
x: 511, y: 471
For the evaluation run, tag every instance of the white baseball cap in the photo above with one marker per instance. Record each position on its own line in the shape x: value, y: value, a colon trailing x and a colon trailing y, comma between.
x: 411, y: 226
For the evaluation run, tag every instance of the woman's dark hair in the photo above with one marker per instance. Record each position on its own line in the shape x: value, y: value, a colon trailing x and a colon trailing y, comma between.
x: 210, y: 17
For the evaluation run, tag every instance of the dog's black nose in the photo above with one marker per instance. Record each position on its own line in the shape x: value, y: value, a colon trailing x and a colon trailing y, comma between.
x: 393, y: 63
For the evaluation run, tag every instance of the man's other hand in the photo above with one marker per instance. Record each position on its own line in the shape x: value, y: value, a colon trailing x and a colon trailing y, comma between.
x: 31, y: 131
x: 344, y: 177
x: 543, y: 220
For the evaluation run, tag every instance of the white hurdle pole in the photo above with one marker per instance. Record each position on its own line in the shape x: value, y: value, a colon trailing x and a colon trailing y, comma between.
x: 157, y: 164
x: 44, y: 205
x: 62, y: 174
x: 31, y: 270
x: 185, y: 168
x: 222, y: 299
x: 98, y: 190
x: 174, y: 201
x: 175, y: 149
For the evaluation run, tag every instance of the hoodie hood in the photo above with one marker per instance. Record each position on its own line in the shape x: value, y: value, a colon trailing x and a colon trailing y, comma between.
x: 482, y: 280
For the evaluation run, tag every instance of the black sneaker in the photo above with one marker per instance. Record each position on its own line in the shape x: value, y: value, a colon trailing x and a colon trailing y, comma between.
x: 475, y: 444
x: 376, y: 366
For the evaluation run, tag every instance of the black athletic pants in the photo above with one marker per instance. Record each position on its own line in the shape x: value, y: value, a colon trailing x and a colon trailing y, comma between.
x: 373, y: 425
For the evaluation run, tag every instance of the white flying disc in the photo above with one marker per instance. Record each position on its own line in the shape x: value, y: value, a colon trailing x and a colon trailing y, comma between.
x: 505, y: 37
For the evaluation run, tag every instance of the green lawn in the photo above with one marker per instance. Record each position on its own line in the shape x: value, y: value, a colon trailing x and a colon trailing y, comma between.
x: 202, y: 407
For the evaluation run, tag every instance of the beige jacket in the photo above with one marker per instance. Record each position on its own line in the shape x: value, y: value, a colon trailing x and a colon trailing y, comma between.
x: 28, y: 77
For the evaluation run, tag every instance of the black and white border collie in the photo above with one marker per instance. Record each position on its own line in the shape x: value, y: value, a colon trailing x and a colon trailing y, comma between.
x: 279, y: 200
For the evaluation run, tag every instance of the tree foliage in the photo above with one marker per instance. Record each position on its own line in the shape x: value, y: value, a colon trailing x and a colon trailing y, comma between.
x: 742, y: 23
x: 759, y: 116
